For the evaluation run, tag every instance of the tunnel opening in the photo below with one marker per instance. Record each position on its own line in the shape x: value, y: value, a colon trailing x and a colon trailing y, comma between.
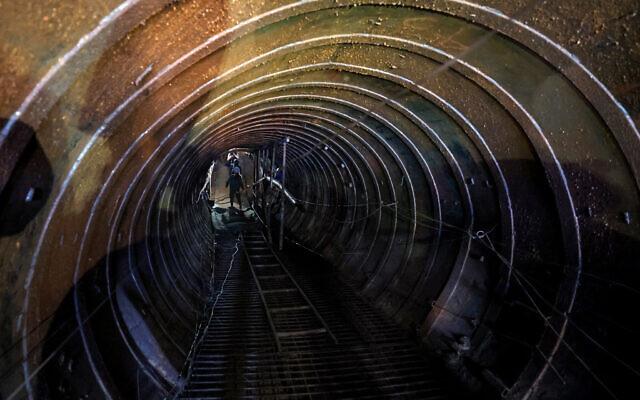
x: 439, y: 200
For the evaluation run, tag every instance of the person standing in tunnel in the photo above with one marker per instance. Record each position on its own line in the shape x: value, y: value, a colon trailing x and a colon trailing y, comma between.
x: 232, y: 162
x: 235, y: 183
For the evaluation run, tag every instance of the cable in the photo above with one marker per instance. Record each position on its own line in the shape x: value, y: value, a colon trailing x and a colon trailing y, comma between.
x: 200, y: 335
x: 546, y: 319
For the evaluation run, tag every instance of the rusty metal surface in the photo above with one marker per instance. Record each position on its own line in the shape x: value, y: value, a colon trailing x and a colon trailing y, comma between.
x: 468, y: 172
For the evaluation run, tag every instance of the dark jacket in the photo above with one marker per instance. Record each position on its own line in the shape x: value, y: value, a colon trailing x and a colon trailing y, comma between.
x: 235, y: 182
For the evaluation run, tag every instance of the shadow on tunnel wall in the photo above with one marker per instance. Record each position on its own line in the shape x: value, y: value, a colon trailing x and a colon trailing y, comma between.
x: 26, y: 181
x: 110, y: 333
x: 26, y: 178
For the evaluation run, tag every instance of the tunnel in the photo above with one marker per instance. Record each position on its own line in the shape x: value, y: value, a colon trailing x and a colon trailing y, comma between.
x: 457, y: 207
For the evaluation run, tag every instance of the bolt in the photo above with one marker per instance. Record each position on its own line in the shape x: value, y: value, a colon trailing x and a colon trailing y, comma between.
x: 30, y: 195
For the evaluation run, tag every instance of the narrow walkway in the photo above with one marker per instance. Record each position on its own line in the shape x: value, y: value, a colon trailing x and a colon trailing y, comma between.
x: 239, y: 356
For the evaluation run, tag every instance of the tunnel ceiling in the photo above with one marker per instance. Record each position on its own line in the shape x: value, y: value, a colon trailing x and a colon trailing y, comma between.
x: 458, y: 163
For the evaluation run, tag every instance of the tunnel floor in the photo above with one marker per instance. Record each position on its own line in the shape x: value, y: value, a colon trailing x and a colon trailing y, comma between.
x: 239, y: 357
